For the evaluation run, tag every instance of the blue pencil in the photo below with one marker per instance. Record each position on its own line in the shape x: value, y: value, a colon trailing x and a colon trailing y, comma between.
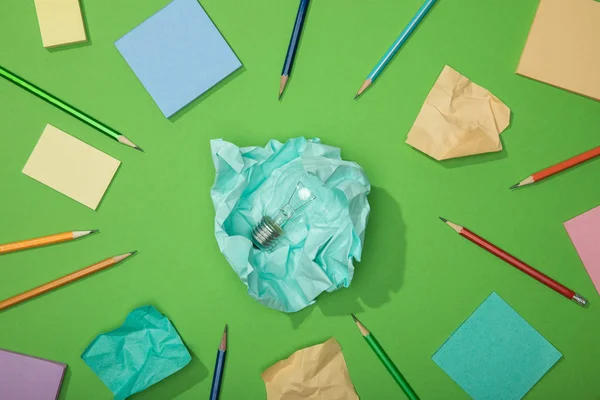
x: 396, y: 46
x: 219, y: 367
x: 291, y: 51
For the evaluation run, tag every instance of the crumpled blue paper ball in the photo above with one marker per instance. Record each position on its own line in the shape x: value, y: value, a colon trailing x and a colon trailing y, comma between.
x: 321, y: 241
x: 143, y: 351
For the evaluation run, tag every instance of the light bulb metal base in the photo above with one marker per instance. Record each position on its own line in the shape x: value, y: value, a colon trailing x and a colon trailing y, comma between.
x: 266, y: 233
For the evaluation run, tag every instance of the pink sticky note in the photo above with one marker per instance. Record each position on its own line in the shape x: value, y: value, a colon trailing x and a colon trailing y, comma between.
x: 584, y: 231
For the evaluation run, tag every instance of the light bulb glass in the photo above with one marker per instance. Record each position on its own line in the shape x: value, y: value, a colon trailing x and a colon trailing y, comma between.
x: 300, y: 198
x: 266, y: 233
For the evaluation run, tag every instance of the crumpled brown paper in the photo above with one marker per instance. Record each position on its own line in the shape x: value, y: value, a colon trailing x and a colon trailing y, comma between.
x: 316, y: 373
x: 459, y: 118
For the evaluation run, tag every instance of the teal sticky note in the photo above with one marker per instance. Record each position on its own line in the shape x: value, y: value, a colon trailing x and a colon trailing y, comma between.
x: 141, y: 352
x: 495, y: 354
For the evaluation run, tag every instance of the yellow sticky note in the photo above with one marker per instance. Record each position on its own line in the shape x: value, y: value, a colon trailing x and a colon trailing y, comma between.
x: 60, y: 22
x: 71, y: 167
x: 563, y: 47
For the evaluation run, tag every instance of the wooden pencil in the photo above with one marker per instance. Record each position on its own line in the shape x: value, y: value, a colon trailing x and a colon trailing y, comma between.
x: 404, y: 35
x: 386, y: 360
x: 293, y: 46
x: 64, y: 106
x: 555, y: 169
x: 219, y: 367
x: 65, y: 280
x: 43, y: 241
x: 515, y: 262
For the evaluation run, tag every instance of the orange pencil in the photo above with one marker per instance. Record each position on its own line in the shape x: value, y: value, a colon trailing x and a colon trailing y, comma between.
x: 555, y: 169
x: 43, y: 241
x: 55, y: 284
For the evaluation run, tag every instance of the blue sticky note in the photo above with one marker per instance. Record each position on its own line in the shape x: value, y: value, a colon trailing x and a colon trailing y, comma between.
x: 495, y: 354
x: 178, y: 54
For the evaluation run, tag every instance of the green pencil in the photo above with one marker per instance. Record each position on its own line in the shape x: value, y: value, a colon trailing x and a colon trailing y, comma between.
x: 55, y: 101
x: 386, y: 360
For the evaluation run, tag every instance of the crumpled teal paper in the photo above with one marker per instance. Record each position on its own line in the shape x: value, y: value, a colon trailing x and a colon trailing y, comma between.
x: 143, y: 351
x: 321, y: 240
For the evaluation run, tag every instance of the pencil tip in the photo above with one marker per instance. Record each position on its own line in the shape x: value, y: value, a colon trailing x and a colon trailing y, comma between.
x: 282, y: 83
x: 354, y: 317
x: 94, y: 231
x: 443, y: 219
x: 364, y: 87
x: 516, y: 185
x: 223, y: 345
x: 133, y: 253
x: 139, y: 148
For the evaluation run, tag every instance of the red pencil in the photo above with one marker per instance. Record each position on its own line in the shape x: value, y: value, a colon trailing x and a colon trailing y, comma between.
x: 555, y: 169
x: 515, y: 262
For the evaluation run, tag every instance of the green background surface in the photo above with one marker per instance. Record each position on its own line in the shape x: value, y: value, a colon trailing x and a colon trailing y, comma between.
x: 418, y: 280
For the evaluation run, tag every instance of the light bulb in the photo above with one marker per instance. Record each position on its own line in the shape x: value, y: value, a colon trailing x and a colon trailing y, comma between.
x: 269, y: 230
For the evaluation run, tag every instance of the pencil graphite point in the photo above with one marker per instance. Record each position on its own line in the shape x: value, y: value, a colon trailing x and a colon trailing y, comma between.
x: 122, y: 139
x: 363, y: 331
x: 226, y: 328
x: 139, y: 148
x: 133, y: 253
x: 364, y: 87
x: 516, y: 185
x: 282, y: 83
x: 94, y: 231
x: 443, y: 219
x: 223, y: 344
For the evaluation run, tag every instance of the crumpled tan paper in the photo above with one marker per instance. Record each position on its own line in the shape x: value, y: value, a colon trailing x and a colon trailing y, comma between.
x: 316, y: 373
x: 459, y: 118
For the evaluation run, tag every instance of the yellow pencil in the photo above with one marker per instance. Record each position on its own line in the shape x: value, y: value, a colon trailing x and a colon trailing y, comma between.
x: 43, y: 241
x: 55, y: 284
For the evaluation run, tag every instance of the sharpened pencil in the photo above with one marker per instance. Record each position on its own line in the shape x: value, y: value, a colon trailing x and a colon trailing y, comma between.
x: 58, y: 103
x: 555, y: 169
x: 293, y: 46
x: 414, y: 22
x: 386, y: 360
x: 219, y: 367
x: 65, y: 280
x: 43, y: 241
x: 515, y: 262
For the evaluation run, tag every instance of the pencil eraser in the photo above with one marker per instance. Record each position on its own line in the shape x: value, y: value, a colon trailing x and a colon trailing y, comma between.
x: 61, y: 22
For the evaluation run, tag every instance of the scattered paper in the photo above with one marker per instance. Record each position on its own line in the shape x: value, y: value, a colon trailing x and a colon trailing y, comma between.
x: 317, y: 373
x: 71, y: 167
x: 584, y: 231
x: 495, y: 353
x: 562, y: 48
x: 459, y: 118
x: 23, y: 377
x: 178, y: 54
x: 60, y: 22
x: 143, y: 351
x: 321, y: 240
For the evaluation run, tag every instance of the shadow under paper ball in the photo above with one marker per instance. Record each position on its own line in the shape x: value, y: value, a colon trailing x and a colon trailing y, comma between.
x: 381, y: 271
